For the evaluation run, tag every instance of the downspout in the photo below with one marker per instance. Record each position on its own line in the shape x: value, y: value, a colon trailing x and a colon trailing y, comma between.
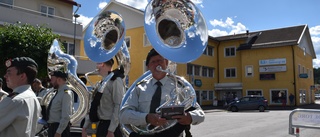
x: 294, y: 77
x: 218, y: 77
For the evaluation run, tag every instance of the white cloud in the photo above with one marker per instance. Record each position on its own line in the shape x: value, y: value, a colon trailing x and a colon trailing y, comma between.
x: 228, y: 27
x: 316, y: 46
x: 102, y: 5
x: 139, y: 4
x: 197, y: 1
x: 316, y: 63
x: 84, y: 20
x: 217, y: 32
x: 315, y: 30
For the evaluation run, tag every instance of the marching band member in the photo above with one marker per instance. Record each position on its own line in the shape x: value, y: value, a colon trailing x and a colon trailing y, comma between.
x: 106, y: 104
x: 59, y: 110
x: 139, y: 108
x: 38, y: 88
x: 19, y: 112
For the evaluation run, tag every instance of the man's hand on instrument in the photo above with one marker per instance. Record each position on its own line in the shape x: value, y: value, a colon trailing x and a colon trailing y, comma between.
x: 155, y: 119
x: 185, y: 119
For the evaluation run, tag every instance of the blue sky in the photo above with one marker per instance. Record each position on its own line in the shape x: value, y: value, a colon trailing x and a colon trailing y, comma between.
x: 225, y: 17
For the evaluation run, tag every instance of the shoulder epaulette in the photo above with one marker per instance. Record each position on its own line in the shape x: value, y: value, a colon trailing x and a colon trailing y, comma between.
x: 12, y: 95
x: 140, y: 82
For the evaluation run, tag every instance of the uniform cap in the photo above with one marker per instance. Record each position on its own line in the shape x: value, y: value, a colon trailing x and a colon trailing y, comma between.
x: 151, y: 53
x: 21, y: 62
x: 59, y: 74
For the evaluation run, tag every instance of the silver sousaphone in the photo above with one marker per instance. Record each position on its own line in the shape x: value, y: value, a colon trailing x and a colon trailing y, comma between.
x: 104, y: 39
x: 177, y: 30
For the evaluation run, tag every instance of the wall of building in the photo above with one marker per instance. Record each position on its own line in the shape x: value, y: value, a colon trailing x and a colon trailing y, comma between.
x: 228, y: 62
x: 284, y: 79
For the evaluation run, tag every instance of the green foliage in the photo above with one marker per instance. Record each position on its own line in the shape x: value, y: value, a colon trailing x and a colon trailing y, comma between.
x: 17, y: 40
x: 316, y: 75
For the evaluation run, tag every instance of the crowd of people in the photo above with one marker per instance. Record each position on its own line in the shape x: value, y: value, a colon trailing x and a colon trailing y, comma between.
x: 21, y: 109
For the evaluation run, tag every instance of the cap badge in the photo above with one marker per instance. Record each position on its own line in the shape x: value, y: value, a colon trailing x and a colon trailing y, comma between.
x: 8, y: 63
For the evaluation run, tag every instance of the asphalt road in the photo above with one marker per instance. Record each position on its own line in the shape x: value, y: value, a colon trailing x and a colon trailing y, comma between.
x: 272, y: 123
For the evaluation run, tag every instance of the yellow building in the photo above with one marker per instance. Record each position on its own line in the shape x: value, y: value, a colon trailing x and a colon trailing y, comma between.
x: 269, y: 63
x: 273, y: 63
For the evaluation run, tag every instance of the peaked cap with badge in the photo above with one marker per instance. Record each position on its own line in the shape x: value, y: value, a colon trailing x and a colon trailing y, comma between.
x: 21, y: 62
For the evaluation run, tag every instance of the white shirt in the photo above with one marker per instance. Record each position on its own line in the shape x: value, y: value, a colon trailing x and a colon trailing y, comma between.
x: 137, y: 106
x: 19, y: 114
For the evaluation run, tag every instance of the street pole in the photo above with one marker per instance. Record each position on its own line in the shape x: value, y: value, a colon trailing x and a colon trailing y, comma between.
x: 75, y: 28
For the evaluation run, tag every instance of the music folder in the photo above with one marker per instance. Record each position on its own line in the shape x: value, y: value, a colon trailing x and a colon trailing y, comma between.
x: 168, y: 111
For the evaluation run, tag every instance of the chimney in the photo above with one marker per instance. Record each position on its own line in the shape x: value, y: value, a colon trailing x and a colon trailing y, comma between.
x: 247, y: 32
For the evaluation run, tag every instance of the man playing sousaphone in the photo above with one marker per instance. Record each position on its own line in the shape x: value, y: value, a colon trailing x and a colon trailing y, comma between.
x: 139, y: 108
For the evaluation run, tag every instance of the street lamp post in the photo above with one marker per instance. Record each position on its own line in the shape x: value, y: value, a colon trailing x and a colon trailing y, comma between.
x: 75, y: 28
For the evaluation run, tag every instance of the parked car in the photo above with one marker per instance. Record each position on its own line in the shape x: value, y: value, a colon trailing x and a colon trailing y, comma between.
x: 252, y: 102
x: 317, y: 96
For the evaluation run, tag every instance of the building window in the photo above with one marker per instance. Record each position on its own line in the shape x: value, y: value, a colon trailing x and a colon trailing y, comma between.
x: 310, y: 74
x: 197, y: 70
x: 189, y: 69
x: 230, y: 73
x: 254, y: 92
x: 208, y: 51
x: 128, y: 41
x: 211, y: 72
x: 230, y: 51
x: 302, y: 96
x: 205, y: 95
x: 279, y: 96
x: 299, y: 69
x: 47, y: 11
x: 146, y: 41
x: 6, y: 3
x: 249, y: 71
x: 211, y: 95
x: 204, y: 71
x: 205, y: 51
x: 69, y: 48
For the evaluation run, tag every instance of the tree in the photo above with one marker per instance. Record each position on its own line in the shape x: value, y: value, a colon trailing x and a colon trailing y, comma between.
x: 17, y: 40
x: 316, y: 75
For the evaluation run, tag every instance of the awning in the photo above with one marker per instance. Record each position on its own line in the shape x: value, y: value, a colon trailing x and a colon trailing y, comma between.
x: 228, y: 86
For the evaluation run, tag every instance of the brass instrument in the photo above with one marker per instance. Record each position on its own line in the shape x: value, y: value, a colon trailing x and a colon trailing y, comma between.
x: 103, y: 40
x: 174, y: 28
x: 57, y: 60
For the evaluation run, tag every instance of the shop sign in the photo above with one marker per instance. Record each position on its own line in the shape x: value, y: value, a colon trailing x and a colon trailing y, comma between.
x: 273, y: 69
x: 272, y: 61
x: 303, y: 75
x: 198, y: 82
